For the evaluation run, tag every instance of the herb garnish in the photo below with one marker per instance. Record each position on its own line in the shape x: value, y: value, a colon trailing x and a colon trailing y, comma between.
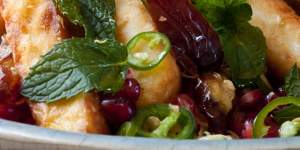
x: 97, y: 62
x: 292, y: 82
x: 80, y: 65
x: 244, y: 45
x: 96, y: 16
x: 75, y: 66
x: 286, y: 114
x: 259, y: 127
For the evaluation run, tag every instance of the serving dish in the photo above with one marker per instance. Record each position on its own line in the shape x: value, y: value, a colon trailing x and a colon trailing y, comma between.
x: 140, y: 76
x: 16, y: 136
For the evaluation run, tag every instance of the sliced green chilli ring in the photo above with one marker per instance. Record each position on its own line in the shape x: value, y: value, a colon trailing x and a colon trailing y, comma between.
x: 259, y: 127
x: 146, y: 50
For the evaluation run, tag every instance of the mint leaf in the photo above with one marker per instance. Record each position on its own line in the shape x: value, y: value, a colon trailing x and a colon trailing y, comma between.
x: 75, y: 66
x: 292, y: 82
x: 80, y: 65
x: 212, y: 9
x: 224, y: 13
x: 244, y: 55
x: 100, y: 16
x: 244, y: 45
x: 96, y: 16
x: 287, y: 114
x: 71, y: 9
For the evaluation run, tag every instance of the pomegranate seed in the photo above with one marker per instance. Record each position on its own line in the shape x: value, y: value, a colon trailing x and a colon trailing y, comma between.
x: 25, y: 113
x: 118, y: 110
x: 274, y: 128
x: 130, y: 91
x: 236, y: 123
x: 251, y: 99
x: 185, y: 101
x: 250, y: 116
x: 121, y: 107
x: 247, y: 131
x: 9, y: 112
x: 19, y: 113
x: 9, y: 85
x: 250, y: 104
x: 12, y: 106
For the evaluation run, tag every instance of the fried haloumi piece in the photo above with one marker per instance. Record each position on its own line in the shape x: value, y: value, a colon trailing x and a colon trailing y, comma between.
x: 37, y: 27
x: 33, y: 27
x: 281, y: 27
x: 160, y: 84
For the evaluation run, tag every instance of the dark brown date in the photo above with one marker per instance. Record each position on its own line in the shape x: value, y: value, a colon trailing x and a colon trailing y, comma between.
x: 196, y: 47
x: 189, y: 32
x: 199, y: 91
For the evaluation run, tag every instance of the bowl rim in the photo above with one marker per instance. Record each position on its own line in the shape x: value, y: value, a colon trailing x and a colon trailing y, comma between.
x: 33, y: 135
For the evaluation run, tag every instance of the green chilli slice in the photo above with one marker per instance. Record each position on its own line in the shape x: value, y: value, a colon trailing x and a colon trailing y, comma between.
x: 146, y: 50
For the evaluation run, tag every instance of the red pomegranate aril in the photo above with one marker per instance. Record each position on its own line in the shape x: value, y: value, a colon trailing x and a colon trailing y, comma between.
x: 9, y: 112
x: 25, y: 114
x: 9, y: 85
x: 248, y: 124
x: 185, y: 101
x: 120, y: 107
x: 12, y: 105
x: 248, y: 130
x: 241, y: 122
x: 251, y: 99
x: 118, y: 110
x: 20, y: 113
x: 236, y: 121
x: 131, y: 90
x: 274, y: 127
x: 250, y: 116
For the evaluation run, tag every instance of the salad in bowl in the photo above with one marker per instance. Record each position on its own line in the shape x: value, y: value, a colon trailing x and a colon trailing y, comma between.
x: 178, y: 69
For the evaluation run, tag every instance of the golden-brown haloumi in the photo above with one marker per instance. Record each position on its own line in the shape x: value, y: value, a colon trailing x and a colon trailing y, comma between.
x: 281, y: 27
x: 36, y: 27
x: 33, y: 27
x: 160, y: 84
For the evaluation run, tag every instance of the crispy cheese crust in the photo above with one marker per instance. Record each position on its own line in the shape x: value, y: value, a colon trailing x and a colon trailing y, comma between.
x: 33, y: 27
x: 79, y: 114
x: 162, y: 83
x: 281, y: 27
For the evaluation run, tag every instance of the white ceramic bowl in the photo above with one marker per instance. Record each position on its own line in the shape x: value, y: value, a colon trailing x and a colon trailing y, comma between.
x: 16, y: 136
